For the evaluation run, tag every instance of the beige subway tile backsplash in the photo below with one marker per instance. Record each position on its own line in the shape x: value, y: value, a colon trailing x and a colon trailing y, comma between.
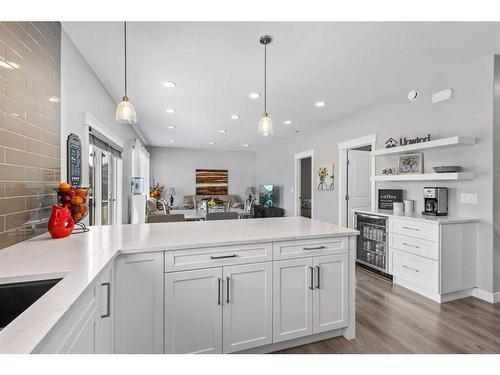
x: 29, y: 127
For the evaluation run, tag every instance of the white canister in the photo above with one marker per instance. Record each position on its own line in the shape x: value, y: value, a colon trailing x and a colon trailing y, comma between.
x: 409, y: 205
x: 398, y: 207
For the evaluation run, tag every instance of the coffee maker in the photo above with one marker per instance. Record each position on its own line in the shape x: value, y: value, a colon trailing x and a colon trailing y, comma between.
x: 435, y: 201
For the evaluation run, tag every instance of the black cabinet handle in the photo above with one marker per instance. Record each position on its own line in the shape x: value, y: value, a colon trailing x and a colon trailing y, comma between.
x: 219, y: 281
x: 222, y: 256
x: 227, y: 290
x: 312, y: 278
x: 314, y: 248
x: 317, y: 280
x: 108, y: 300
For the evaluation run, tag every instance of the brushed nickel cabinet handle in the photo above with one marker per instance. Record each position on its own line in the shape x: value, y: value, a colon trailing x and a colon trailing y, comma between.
x: 415, y: 229
x: 314, y: 248
x: 219, y: 284
x: 410, y: 268
x: 410, y: 245
x: 317, y: 280
x: 227, y: 290
x: 311, y: 281
x: 222, y: 256
x: 108, y: 300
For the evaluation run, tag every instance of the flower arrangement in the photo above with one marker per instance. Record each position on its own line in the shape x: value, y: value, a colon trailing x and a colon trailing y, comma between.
x: 322, y: 173
x: 155, y: 191
x: 212, y: 203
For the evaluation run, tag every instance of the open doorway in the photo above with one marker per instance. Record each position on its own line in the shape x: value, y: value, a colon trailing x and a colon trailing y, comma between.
x: 303, y: 184
x: 356, y: 189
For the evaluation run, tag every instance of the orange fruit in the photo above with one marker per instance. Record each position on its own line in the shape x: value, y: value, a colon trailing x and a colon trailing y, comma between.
x: 64, y: 186
x: 82, y: 193
x: 76, y: 200
x: 77, y: 216
x: 83, y: 209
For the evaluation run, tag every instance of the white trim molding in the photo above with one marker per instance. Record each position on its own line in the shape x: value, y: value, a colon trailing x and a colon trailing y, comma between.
x: 297, y: 157
x: 368, y: 140
x: 486, y: 296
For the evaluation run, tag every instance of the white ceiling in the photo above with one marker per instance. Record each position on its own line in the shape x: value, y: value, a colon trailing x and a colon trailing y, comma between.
x: 217, y: 64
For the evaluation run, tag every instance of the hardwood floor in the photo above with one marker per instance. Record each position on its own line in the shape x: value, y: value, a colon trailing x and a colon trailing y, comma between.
x: 392, y: 319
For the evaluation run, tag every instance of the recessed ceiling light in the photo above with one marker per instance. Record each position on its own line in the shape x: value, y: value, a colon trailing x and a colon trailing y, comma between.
x: 170, y: 110
x: 223, y: 131
x: 287, y: 122
x: 172, y: 141
x: 235, y: 117
x: 320, y: 104
x: 210, y: 143
x: 169, y: 84
x: 254, y: 95
x: 246, y: 145
x: 171, y: 127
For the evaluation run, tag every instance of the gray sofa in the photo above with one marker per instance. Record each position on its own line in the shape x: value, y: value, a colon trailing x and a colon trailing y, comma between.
x: 190, y: 201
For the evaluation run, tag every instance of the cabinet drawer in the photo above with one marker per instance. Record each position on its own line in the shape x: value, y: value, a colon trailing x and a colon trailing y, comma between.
x: 178, y: 260
x: 414, y: 228
x: 306, y: 248
x: 419, y: 271
x: 415, y: 246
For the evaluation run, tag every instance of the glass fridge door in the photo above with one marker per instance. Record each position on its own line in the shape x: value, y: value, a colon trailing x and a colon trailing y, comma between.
x: 372, y: 241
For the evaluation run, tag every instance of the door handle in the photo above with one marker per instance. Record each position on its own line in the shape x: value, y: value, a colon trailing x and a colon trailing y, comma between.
x: 415, y: 229
x: 227, y: 290
x: 108, y: 300
x: 314, y: 248
x: 219, y: 284
x: 222, y: 256
x: 311, y: 281
x: 317, y: 279
x: 410, y: 268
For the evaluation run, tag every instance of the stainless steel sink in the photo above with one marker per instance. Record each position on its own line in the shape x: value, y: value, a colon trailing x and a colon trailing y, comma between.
x: 17, y: 297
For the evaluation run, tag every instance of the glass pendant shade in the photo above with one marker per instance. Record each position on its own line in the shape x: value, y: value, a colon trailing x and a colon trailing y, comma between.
x: 265, y: 126
x: 125, y: 112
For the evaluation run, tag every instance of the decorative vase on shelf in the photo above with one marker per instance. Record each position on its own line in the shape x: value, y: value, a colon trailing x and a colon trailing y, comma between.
x: 61, y: 223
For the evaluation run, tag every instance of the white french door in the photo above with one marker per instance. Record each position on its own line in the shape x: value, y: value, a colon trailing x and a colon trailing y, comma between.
x: 104, y: 170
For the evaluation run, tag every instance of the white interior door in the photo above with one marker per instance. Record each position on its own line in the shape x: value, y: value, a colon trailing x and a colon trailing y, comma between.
x: 248, y: 306
x: 293, y: 283
x: 330, y: 301
x: 193, y: 311
x: 358, y: 182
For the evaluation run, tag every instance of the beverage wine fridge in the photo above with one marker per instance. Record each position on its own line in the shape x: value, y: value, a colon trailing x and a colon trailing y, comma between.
x: 373, y: 244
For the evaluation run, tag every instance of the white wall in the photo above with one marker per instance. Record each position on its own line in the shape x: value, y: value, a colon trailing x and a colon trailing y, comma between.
x: 176, y: 167
x: 468, y: 113
x: 82, y: 91
x: 496, y: 172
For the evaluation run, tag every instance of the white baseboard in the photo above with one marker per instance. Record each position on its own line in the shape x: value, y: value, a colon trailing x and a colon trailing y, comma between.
x: 486, y: 296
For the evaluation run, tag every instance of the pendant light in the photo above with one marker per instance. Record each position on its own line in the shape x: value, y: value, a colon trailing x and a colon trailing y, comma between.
x: 265, y: 126
x: 125, y: 111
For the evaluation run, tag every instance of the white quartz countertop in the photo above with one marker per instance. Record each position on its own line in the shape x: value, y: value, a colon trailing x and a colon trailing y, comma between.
x: 443, y: 220
x: 79, y: 258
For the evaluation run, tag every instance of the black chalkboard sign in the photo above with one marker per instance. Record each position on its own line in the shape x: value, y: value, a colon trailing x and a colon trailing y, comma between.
x: 74, y: 153
x: 386, y: 197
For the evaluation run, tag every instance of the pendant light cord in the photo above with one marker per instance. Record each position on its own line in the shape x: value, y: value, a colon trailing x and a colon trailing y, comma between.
x: 125, y: 42
x: 265, y: 78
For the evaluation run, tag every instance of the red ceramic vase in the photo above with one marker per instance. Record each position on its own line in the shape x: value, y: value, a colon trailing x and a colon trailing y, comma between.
x: 61, y: 223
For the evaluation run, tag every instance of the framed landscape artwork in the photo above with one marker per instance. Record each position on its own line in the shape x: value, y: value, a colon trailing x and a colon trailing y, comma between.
x: 211, y: 181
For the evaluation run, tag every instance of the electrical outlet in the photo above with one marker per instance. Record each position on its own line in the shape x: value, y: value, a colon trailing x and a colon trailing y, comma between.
x: 470, y: 198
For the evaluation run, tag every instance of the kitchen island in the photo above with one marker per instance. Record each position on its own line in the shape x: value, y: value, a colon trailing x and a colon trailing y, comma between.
x: 255, y: 285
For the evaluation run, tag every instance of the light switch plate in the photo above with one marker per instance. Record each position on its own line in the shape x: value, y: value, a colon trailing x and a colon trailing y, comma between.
x: 470, y: 198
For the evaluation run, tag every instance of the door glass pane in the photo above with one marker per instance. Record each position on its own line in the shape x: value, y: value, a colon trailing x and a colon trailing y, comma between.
x: 91, y: 197
x: 104, y: 188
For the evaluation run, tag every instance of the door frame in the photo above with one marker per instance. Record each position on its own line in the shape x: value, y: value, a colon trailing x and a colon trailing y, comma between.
x: 297, y: 158
x: 368, y: 140
x: 90, y: 121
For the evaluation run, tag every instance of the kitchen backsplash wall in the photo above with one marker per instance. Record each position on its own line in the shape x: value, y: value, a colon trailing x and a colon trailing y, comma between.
x: 30, y: 135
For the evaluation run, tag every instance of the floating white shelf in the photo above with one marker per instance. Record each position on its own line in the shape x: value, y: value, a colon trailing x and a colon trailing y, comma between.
x: 444, y: 142
x: 426, y: 177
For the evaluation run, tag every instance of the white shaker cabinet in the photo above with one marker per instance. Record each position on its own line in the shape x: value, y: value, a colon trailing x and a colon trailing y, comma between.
x: 139, y: 303
x: 248, y: 306
x: 311, y: 296
x: 193, y: 311
x: 293, y: 281
x: 218, y: 310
